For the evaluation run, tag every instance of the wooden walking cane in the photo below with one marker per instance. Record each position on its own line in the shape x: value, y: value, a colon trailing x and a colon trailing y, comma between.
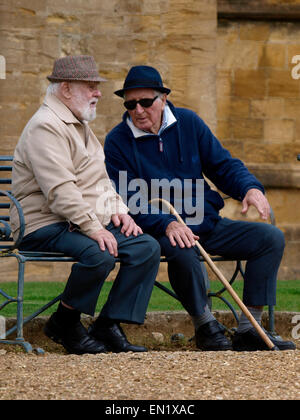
x: 223, y: 280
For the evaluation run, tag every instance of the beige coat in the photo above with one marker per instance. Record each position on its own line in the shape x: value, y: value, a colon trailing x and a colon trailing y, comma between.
x: 59, y: 173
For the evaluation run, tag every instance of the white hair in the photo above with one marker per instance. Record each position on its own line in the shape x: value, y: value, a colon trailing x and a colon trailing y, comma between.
x: 53, y: 88
x: 158, y: 93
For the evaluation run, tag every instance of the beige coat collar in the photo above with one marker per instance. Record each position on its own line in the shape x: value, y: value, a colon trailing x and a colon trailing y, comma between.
x: 60, y: 109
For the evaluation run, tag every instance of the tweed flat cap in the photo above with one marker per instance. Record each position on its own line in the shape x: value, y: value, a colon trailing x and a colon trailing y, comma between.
x: 79, y: 67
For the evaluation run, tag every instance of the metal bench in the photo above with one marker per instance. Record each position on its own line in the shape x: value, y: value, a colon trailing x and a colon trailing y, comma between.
x: 9, y: 248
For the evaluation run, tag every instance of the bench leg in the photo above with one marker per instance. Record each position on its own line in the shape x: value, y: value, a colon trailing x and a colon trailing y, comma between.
x: 271, y: 320
x: 19, y: 340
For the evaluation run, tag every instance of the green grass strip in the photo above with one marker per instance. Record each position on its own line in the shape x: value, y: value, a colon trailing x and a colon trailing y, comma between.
x: 37, y: 294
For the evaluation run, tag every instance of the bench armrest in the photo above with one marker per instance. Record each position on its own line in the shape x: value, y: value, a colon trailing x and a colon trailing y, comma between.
x: 5, y: 229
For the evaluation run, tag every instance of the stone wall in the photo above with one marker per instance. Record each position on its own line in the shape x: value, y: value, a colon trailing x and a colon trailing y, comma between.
x: 176, y: 36
x: 230, y: 61
x: 258, y: 105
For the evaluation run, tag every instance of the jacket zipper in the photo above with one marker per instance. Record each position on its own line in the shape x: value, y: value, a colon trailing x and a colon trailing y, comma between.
x: 161, y: 145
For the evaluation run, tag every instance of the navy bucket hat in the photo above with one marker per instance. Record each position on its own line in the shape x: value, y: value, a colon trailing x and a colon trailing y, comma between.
x: 143, y: 77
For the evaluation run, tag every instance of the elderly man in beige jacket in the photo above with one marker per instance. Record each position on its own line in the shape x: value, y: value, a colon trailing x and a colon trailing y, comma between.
x: 70, y: 206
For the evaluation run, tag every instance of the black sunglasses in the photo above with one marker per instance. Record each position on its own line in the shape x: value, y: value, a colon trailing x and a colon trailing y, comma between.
x: 145, y: 103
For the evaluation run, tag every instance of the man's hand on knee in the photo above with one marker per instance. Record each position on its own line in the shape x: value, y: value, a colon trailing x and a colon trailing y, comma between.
x: 257, y: 199
x: 105, y: 240
x: 181, y: 235
x: 129, y: 227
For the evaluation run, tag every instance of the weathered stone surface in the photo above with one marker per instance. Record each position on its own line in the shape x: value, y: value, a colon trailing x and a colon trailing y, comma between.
x: 283, y: 175
x: 118, y: 34
x: 258, y: 108
x: 235, y: 74
x: 283, y: 204
x: 250, y: 83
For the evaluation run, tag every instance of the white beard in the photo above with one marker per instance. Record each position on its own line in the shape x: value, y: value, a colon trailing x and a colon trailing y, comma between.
x: 88, y: 114
x: 84, y: 110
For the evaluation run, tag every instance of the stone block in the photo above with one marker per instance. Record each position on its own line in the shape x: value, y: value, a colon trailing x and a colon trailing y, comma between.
x: 297, y: 132
x: 224, y: 82
x: 176, y: 52
x: 239, y: 108
x: 279, y: 130
x: 290, y: 266
x: 228, y: 31
x: 255, y: 31
x: 267, y: 108
x: 235, y: 147
x: 256, y: 152
x: 14, y: 17
x: 247, y: 129
x: 282, y: 85
x: 203, y: 52
x: 238, y: 55
x: 141, y: 25
x: 292, y: 32
x: 282, y: 175
x: 130, y: 7
x: 232, y: 108
x: 188, y: 23
x: 205, y: 8
x: 82, y: 7
x: 284, y: 203
x: 250, y: 83
x: 274, y: 56
x: 154, y: 7
x: 289, y: 151
x: 291, y: 232
x: 223, y: 107
x: 278, y: 33
x: 291, y: 108
x: 223, y: 131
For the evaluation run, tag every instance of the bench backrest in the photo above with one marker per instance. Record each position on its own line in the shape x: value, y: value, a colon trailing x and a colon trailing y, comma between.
x: 6, y: 199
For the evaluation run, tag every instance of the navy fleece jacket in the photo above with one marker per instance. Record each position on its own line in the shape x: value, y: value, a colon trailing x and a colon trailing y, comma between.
x: 186, y: 149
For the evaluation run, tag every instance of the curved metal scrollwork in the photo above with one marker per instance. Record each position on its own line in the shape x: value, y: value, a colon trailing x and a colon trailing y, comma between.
x: 5, y: 231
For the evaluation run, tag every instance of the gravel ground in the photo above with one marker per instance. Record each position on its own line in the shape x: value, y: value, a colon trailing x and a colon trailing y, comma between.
x: 171, y: 370
x: 155, y: 375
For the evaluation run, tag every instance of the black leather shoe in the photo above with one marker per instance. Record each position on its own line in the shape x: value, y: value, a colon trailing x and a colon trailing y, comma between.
x: 210, y: 337
x: 251, y: 341
x: 75, y: 338
x: 115, y: 338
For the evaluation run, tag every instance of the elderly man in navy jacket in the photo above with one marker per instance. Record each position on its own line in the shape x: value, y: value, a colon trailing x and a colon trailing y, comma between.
x: 159, y: 145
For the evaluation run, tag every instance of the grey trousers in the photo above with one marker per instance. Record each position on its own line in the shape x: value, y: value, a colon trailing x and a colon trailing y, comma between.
x: 130, y: 293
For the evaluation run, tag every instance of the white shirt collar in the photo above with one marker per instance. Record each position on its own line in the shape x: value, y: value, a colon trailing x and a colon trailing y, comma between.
x: 168, y: 119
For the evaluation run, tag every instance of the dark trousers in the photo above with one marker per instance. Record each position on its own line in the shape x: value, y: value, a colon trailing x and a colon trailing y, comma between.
x: 260, y: 244
x: 130, y: 293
